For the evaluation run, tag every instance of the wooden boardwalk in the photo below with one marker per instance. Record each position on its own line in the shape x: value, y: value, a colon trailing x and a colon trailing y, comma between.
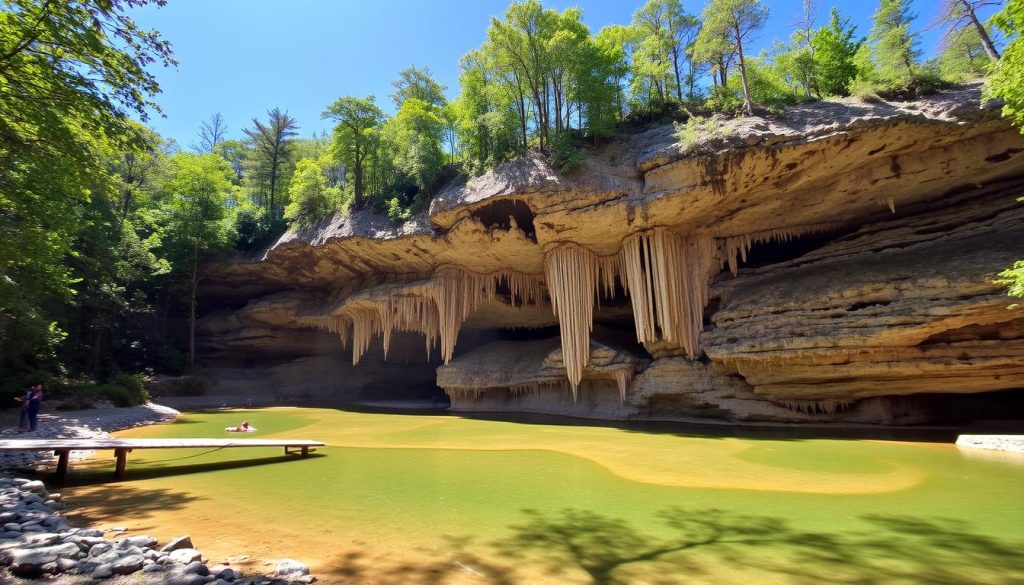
x: 121, y: 447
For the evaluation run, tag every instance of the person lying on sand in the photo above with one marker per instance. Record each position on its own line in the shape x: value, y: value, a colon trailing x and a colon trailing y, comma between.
x: 242, y: 428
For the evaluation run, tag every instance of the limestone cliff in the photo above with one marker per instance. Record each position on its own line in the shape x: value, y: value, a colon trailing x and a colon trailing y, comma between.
x: 813, y: 266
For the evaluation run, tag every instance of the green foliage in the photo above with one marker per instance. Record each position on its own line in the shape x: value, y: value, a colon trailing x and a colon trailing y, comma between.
x: 414, y: 137
x: 72, y: 72
x: 196, y: 190
x: 396, y: 212
x: 963, y: 57
x: 356, y: 137
x: 135, y: 384
x: 251, y: 227
x: 1013, y: 279
x: 728, y: 24
x: 413, y: 83
x: 834, y: 53
x: 311, y: 197
x: 116, y: 394
x: 888, y: 63
x: 568, y: 155
x: 699, y: 133
x: 1005, y: 81
x: 268, y: 161
x: 661, y: 33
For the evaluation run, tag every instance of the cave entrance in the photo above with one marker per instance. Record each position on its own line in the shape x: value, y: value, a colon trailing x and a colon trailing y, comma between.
x: 993, y: 409
x: 499, y: 215
x: 774, y: 252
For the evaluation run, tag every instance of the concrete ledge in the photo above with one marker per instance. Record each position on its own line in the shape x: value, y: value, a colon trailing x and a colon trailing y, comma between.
x: 1007, y: 443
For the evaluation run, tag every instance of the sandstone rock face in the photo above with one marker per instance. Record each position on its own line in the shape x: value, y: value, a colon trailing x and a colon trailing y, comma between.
x: 833, y: 263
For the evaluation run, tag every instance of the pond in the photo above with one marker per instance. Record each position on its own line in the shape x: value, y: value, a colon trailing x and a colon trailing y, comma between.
x: 399, y: 498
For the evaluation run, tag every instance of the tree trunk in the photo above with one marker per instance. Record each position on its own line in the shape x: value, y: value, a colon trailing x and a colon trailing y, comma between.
x: 97, y: 352
x: 675, y: 66
x: 986, y: 41
x: 357, y: 170
x: 747, y: 105
x: 273, y: 183
x: 192, y: 309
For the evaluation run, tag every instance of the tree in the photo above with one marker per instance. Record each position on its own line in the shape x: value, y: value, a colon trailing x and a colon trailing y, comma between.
x: 895, y: 51
x: 1005, y: 81
x: 71, y: 73
x: 664, y: 31
x: 957, y: 15
x: 834, y: 51
x: 270, y: 152
x: 311, y: 198
x: 727, y: 25
x: 356, y: 134
x: 963, y: 56
x: 196, y: 188
x: 211, y: 133
x: 414, y: 138
x: 1005, y: 84
x: 419, y: 84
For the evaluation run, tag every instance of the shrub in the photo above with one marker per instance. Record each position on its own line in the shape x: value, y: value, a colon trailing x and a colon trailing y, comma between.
x: 136, y: 387
x: 118, y: 395
x: 568, y: 155
x: 699, y: 132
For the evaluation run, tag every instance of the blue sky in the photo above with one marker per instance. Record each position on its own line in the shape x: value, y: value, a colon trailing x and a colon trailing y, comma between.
x: 243, y: 57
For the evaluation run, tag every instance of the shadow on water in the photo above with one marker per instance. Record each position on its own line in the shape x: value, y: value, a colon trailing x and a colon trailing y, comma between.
x: 584, y: 546
x: 95, y: 473
x: 103, y: 505
x: 708, y: 430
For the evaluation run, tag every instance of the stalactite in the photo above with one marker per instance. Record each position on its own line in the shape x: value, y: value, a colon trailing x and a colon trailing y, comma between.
x: 736, y: 248
x: 519, y: 390
x: 571, y: 276
x: 811, y: 407
x: 623, y: 377
x: 436, y: 308
x: 667, y: 278
x: 365, y: 326
x: 337, y: 324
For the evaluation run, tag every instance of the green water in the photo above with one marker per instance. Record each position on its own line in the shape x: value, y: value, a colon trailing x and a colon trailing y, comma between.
x: 437, y: 499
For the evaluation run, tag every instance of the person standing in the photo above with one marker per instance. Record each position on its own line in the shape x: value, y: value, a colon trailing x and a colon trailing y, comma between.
x: 35, y: 403
x: 24, y: 400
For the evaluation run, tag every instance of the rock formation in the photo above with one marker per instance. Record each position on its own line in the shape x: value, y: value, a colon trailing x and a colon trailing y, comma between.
x: 835, y: 262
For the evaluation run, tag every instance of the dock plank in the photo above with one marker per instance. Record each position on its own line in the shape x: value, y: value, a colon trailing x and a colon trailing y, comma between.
x: 121, y: 447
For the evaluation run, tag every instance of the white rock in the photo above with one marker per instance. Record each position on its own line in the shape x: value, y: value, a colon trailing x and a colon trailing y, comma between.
x: 184, y: 556
x: 291, y: 568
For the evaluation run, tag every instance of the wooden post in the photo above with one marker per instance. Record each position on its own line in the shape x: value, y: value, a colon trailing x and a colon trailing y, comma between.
x: 305, y: 451
x: 62, y: 462
x: 122, y: 460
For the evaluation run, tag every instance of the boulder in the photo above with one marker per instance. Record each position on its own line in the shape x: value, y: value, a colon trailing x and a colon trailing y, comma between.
x: 127, y: 565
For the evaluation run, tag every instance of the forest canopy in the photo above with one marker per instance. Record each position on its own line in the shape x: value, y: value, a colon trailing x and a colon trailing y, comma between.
x: 105, y: 224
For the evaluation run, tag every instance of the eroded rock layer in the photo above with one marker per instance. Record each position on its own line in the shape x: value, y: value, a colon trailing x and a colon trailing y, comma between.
x: 806, y: 267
